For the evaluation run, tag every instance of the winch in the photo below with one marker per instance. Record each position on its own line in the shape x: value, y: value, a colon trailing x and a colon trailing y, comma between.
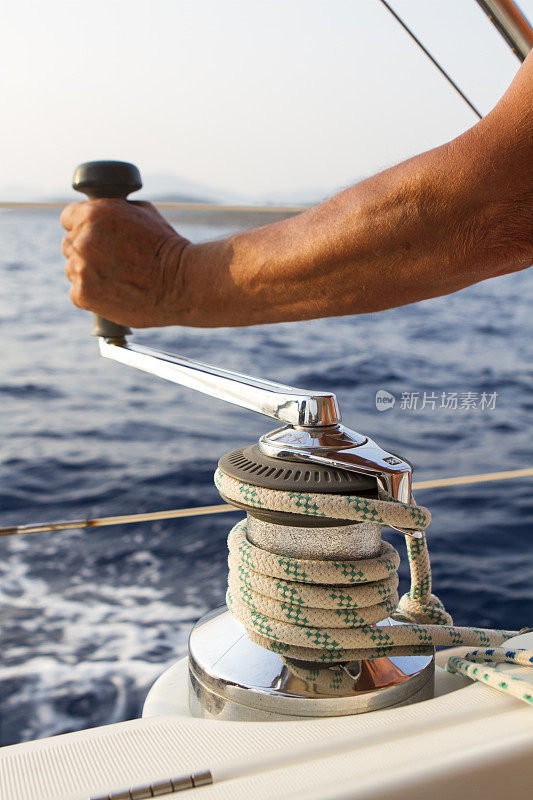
x: 284, y: 482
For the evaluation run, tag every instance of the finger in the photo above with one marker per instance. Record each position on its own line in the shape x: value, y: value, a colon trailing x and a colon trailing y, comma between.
x: 71, y: 272
x: 76, y: 270
x: 67, y: 247
x: 142, y: 204
x: 74, y: 295
x: 85, y: 293
x: 70, y: 216
x: 146, y: 206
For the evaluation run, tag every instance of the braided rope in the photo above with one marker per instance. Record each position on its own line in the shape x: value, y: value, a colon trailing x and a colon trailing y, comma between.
x: 333, y: 506
x: 511, y: 684
x: 345, y: 632
x: 325, y: 611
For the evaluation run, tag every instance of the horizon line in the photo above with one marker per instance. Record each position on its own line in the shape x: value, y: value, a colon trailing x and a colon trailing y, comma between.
x: 289, y: 209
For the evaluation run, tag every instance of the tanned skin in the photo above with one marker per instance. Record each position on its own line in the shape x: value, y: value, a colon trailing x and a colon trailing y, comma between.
x: 448, y: 218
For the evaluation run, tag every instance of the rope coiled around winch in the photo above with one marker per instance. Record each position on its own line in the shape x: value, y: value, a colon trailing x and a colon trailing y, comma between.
x: 325, y: 611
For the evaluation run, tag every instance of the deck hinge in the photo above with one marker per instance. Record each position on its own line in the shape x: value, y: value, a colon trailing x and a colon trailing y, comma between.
x: 160, y: 788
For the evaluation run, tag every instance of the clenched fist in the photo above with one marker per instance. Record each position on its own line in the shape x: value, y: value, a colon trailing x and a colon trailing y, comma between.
x: 123, y: 262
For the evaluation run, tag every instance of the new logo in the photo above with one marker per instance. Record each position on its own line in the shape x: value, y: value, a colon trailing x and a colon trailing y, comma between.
x: 384, y: 400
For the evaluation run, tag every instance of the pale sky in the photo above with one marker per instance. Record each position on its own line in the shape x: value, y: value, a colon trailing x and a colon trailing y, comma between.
x: 263, y: 98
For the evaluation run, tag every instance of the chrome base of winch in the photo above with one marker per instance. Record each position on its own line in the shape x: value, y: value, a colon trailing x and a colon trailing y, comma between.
x: 231, y: 678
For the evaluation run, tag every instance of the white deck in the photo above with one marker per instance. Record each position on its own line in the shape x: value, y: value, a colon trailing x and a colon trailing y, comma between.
x: 469, y: 742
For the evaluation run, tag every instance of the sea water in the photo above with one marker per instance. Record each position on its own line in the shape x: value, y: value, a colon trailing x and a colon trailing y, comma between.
x: 90, y: 618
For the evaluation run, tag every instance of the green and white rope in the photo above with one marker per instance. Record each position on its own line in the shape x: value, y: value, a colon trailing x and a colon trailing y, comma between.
x: 334, y: 506
x: 347, y: 632
x: 475, y: 665
x: 325, y: 611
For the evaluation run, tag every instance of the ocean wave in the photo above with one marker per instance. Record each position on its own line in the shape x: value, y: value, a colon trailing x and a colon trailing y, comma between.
x: 91, y: 618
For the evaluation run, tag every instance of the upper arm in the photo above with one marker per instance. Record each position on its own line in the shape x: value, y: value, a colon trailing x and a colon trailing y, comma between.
x: 508, y: 128
x: 500, y: 151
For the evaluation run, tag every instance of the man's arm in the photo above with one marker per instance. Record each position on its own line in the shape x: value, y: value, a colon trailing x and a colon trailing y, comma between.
x: 429, y: 226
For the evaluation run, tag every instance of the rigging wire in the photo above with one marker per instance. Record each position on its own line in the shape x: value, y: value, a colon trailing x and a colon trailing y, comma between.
x: 224, y: 508
x: 431, y: 58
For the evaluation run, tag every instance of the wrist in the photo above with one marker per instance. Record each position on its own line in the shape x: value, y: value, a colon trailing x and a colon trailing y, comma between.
x: 171, y: 266
x: 196, y: 297
x: 227, y: 283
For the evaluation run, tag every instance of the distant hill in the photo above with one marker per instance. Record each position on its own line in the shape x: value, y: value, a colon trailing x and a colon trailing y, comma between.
x: 305, y: 197
x: 176, y: 189
x: 170, y: 188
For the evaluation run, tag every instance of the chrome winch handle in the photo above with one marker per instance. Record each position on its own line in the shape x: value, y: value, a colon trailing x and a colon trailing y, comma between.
x: 284, y: 403
x: 313, y: 432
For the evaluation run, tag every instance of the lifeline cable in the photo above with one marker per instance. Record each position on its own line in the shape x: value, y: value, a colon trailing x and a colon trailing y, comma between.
x: 224, y: 508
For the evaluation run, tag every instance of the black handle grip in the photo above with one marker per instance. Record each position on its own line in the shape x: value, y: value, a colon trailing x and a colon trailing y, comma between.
x: 107, y: 179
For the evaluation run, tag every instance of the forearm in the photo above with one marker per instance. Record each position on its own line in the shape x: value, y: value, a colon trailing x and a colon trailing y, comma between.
x: 427, y: 227
x: 443, y: 220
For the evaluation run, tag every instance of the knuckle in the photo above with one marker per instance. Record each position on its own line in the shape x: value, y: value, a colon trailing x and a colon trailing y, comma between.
x: 83, y: 247
x: 83, y: 295
x: 75, y: 296
x: 69, y: 272
x: 104, y: 204
x: 99, y: 208
x: 70, y: 216
x: 67, y: 213
x: 145, y: 205
x: 91, y: 211
x: 84, y: 271
x: 78, y: 271
x: 83, y: 244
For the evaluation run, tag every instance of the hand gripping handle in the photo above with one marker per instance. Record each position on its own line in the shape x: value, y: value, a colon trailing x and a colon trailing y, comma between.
x: 107, y: 179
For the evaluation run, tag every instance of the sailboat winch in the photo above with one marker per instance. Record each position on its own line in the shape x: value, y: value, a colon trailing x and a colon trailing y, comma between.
x: 314, y: 625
